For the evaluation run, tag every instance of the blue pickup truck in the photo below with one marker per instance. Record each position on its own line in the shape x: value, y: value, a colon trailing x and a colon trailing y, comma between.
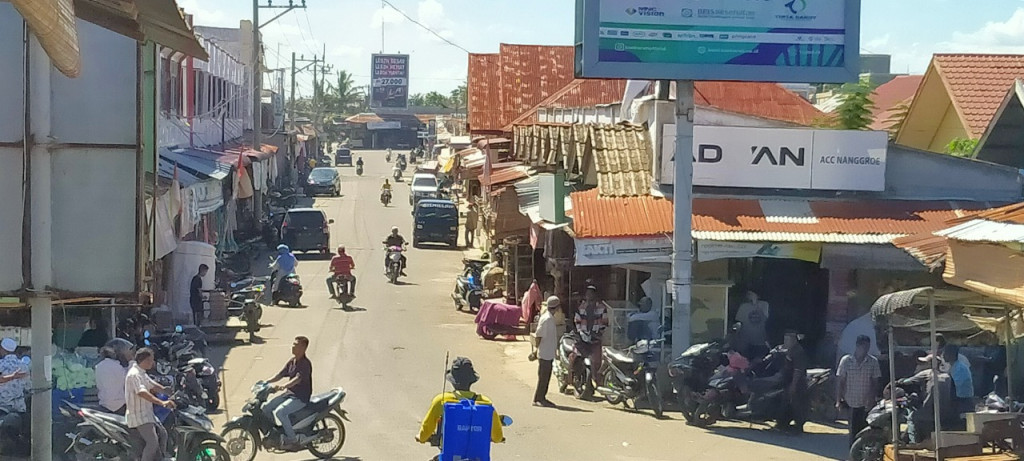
x: 437, y: 221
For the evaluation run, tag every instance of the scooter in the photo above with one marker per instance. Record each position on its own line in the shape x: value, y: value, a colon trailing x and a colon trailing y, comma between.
x: 385, y: 197
x: 468, y: 291
x: 632, y: 375
x: 764, y: 399
x: 397, y: 174
x: 572, y: 366
x: 387, y: 157
x: 284, y: 198
x: 15, y: 433
x: 319, y: 427
x: 359, y: 169
x: 342, y: 294
x: 690, y: 373
x: 394, y: 267
x: 289, y: 290
x: 870, y: 442
x: 190, y: 435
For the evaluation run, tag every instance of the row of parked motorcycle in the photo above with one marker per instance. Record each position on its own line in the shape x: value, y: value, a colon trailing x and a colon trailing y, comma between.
x: 703, y: 386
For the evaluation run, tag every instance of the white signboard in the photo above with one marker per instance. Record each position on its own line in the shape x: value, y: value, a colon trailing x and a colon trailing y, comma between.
x: 626, y: 250
x: 393, y: 125
x: 710, y: 250
x: 784, y: 158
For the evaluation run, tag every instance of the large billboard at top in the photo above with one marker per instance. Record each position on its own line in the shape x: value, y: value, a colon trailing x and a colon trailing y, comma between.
x: 389, y: 86
x: 802, y: 41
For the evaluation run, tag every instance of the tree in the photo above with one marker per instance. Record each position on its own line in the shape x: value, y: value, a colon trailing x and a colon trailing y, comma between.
x: 962, y: 147
x: 435, y: 99
x: 458, y: 97
x: 854, y: 113
x: 417, y: 99
x: 344, y: 97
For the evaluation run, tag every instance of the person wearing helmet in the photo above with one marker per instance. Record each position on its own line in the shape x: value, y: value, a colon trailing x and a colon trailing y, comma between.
x: 111, y: 373
x: 395, y: 240
x: 285, y: 264
x: 341, y: 270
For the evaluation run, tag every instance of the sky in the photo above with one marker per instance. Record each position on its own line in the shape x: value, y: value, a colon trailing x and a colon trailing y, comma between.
x: 350, y: 31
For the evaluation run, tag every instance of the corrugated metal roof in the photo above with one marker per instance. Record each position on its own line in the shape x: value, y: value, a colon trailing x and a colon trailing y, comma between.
x: 528, y: 192
x: 483, y: 92
x: 981, y: 230
x: 1010, y: 214
x: 550, y: 144
x: 504, y: 175
x: 198, y: 162
x: 596, y: 216
x: 765, y: 100
x: 929, y: 249
x: 578, y: 93
x: 865, y: 221
x: 622, y: 155
x: 530, y: 74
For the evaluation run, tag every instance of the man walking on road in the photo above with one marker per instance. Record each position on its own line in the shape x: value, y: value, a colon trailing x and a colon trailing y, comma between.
x: 858, y: 385
x: 472, y: 216
x: 547, y: 342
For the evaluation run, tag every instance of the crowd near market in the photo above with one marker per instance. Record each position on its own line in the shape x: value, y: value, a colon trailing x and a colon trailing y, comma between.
x: 809, y: 273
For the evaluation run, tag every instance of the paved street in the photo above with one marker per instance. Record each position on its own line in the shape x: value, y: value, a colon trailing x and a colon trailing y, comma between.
x: 388, y: 353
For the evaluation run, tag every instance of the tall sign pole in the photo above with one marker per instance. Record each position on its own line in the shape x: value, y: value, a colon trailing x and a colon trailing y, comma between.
x: 257, y: 66
x: 682, y: 219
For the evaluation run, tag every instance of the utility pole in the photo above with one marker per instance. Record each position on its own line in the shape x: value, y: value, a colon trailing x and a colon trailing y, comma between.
x: 682, y: 240
x: 291, y: 104
x: 257, y: 70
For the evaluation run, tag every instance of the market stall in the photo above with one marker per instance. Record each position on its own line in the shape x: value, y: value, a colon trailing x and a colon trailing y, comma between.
x: 927, y: 310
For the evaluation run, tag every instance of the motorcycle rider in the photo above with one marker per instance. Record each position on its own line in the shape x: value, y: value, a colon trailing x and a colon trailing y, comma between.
x: 341, y: 267
x: 299, y: 388
x: 395, y: 240
x: 139, y: 402
x: 111, y: 373
x: 359, y: 162
x: 385, y: 188
x: 591, y: 319
x: 285, y: 264
x: 461, y: 375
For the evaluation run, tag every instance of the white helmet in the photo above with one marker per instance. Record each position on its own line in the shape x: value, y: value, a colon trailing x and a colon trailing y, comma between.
x: 394, y: 229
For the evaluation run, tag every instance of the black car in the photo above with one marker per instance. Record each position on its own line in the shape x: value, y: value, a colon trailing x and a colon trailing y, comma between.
x: 324, y: 180
x: 306, y: 229
x: 343, y: 156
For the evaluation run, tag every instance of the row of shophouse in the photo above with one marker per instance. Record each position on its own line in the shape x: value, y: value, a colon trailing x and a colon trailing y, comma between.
x: 575, y: 181
x: 163, y: 111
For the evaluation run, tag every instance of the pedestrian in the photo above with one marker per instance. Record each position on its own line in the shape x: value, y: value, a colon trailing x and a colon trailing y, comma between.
x: 753, y: 315
x: 795, y: 414
x: 195, y: 295
x: 591, y: 319
x: 139, y: 402
x: 547, y: 342
x: 472, y: 217
x: 858, y: 375
x: 963, y: 381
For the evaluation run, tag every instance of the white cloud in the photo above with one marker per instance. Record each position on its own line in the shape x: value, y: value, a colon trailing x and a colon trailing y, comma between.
x: 385, y: 16
x: 993, y: 37
x: 346, y: 51
x: 877, y: 43
x: 430, y: 13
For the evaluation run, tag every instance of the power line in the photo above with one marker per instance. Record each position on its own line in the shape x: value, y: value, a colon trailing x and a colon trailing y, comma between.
x: 386, y: 2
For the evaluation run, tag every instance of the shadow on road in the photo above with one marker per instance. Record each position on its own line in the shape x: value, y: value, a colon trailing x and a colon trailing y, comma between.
x: 313, y: 256
x: 351, y: 308
x: 831, y: 446
x: 569, y: 409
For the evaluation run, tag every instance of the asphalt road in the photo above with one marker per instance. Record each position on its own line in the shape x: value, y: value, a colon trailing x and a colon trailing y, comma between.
x: 388, y: 353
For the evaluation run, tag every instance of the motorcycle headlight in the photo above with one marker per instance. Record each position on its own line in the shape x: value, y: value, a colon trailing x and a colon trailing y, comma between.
x: 419, y: 226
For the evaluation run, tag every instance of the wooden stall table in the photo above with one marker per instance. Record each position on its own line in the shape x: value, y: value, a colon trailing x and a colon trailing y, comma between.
x: 949, y: 454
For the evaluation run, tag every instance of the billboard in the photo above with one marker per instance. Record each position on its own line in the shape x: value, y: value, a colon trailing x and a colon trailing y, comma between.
x: 783, y: 158
x: 389, y: 81
x: 802, y: 41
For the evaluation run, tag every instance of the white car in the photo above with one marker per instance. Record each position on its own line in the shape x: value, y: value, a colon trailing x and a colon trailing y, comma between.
x: 424, y: 185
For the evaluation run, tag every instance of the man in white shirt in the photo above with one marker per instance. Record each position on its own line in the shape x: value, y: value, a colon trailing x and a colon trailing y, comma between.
x: 12, y: 391
x: 139, y: 401
x: 547, y: 342
x: 111, y: 373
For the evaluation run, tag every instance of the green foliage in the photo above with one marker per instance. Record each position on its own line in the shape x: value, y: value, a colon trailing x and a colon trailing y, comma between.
x: 962, y: 147
x: 854, y: 113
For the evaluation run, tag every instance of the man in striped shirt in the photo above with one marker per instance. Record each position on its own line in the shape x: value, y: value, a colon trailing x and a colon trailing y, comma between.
x: 139, y: 401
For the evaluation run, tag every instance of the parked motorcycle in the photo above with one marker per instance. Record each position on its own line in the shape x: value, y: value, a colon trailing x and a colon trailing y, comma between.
x: 319, y: 427
x: 468, y: 290
x: 870, y: 442
x: 284, y: 198
x: 178, y: 357
x: 572, y: 366
x: 190, y: 436
x: 289, y: 290
x: 632, y: 375
x: 394, y: 267
x: 690, y: 373
x: 385, y: 197
x: 763, y: 398
x: 15, y: 432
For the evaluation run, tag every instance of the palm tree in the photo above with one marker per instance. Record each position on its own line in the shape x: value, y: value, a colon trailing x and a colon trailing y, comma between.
x: 344, y: 97
x: 458, y: 97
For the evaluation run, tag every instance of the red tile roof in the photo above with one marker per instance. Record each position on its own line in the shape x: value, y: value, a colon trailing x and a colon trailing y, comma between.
x: 484, y: 111
x: 889, y: 96
x: 578, y: 93
x: 764, y: 100
x: 502, y: 86
x: 595, y: 216
x: 977, y: 84
x: 865, y: 221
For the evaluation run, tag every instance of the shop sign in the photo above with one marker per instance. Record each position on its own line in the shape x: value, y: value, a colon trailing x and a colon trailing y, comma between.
x: 389, y: 81
x: 745, y: 40
x: 627, y: 250
x: 385, y: 125
x: 710, y: 250
x: 783, y: 158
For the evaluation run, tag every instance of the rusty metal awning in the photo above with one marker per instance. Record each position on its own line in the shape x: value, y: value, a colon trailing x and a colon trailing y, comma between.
x: 157, y: 20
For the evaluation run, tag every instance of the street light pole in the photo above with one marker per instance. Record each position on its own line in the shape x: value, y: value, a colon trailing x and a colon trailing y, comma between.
x: 257, y: 78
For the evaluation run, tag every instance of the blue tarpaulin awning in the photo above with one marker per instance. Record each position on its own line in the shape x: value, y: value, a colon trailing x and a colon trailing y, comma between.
x: 197, y: 163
